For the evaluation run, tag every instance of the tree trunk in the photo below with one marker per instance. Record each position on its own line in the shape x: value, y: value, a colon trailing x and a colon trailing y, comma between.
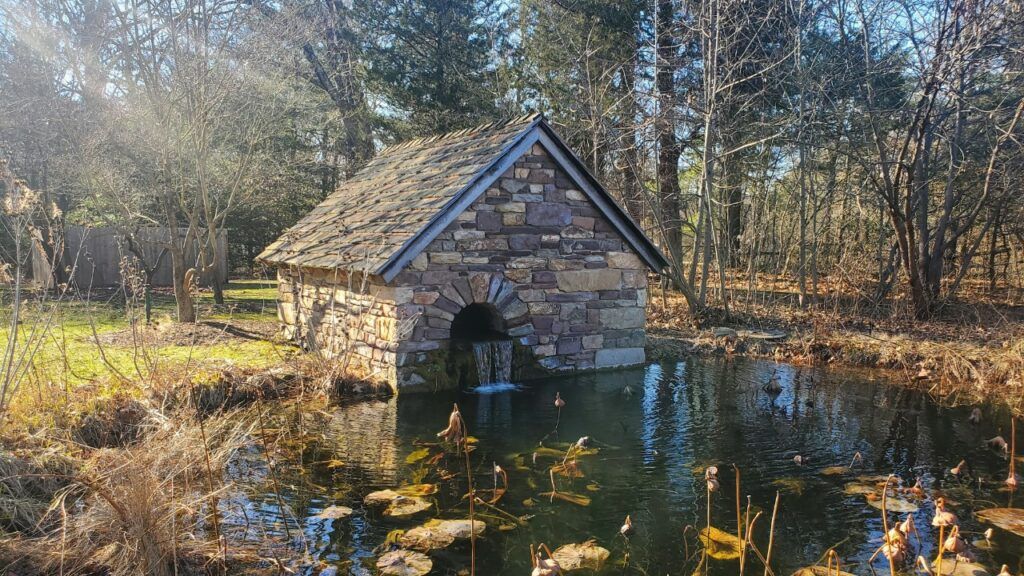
x: 668, y: 143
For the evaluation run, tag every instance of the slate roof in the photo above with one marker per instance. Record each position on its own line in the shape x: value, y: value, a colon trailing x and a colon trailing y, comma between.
x: 383, y: 216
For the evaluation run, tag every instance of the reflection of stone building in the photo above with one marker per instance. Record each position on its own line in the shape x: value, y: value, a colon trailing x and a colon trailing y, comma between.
x: 496, y: 232
x: 366, y: 438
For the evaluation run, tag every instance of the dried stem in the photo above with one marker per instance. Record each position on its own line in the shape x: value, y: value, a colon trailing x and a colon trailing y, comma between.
x: 885, y: 527
x: 771, y: 535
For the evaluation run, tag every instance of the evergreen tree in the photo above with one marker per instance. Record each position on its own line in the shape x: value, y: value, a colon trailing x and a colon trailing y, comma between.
x: 430, y: 62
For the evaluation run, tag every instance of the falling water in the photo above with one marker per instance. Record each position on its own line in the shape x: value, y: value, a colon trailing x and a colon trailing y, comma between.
x: 493, y: 361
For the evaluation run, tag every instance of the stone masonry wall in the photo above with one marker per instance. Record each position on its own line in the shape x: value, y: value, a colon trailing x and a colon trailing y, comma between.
x: 354, y: 320
x: 533, y: 246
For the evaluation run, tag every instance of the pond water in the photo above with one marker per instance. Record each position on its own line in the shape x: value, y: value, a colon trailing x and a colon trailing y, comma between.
x: 657, y: 429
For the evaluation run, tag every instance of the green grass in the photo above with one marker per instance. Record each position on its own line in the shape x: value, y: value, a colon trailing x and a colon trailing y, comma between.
x: 68, y: 356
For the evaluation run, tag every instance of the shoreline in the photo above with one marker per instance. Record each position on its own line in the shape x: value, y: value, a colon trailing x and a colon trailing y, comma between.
x: 956, y: 373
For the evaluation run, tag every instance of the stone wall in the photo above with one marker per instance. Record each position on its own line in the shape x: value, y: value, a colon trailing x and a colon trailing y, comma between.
x: 353, y: 319
x: 534, y: 247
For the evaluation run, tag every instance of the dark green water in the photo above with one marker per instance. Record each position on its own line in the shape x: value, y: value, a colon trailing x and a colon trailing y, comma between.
x: 658, y: 428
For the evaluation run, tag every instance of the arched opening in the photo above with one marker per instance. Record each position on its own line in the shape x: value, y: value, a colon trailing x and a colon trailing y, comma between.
x: 478, y: 322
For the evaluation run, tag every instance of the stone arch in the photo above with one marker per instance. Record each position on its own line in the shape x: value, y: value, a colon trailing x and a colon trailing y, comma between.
x: 486, y: 288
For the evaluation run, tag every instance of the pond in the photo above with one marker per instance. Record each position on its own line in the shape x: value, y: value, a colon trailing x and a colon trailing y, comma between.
x: 652, y: 433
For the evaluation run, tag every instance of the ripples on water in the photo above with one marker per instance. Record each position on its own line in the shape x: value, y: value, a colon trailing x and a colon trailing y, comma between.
x: 658, y: 428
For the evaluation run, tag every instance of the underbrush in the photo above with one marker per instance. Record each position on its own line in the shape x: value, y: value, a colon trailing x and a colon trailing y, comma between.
x: 147, y: 508
x: 965, y: 354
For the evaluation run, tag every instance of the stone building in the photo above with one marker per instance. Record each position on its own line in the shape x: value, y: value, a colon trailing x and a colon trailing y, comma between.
x: 497, y: 233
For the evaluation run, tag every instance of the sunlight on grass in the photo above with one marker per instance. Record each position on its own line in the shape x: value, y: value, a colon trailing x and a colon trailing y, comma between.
x: 91, y: 342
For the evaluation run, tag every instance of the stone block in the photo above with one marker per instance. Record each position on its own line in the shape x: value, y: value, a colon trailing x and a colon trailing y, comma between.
x: 574, y: 231
x: 593, y: 341
x: 488, y: 221
x: 544, y: 277
x: 548, y: 214
x: 419, y: 262
x: 575, y: 195
x: 482, y: 244
x: 515, y: 309
x: 521, y: 276
x: 513, y: 186
x: 584, y: 222
x: 449, y: 292
x: 511, y: 207
x: 446, y: 305
x: 528, y: 197
x: 462, y: 286
x: 559, y: 264
x: 425, y: 297
x: 621, y: 318
x: 543, y: 324
x: 611, y: 357
x: 531, y: 295
x: 436, y: 334
x: 438, y: 277
x: 468, y: 234
x: 527, y: 262
x: 543, y: 308
x: 624, y: 260
x: 513, y: 219
x: 552, y: 363
x: 569, y: 345
x: 445, y: 258
x: 523, y: 242
x: 544, y: 350
x: 521, y: 330
x: 418, y: 346
x: 479, y: 284
x: 588, y: 280
x: 571, y: 296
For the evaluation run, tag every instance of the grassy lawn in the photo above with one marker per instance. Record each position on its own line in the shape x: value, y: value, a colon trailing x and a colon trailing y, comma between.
x: 91, y: 342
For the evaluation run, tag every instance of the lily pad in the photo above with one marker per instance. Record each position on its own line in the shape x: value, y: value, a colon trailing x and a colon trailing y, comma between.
x: 417, y: 455
x: 719, y: 544
x: 571, y: 497
x: 859, y: 489
x: 893, y: 504
x: 417, y: 490
x: 459, y: 529
x: 380, y: 497
x: 950, y: 567
x: 1009, y: 519
x: 834, y: 471
x: 404, y: 563
x: 818, y: 571
x: 426, y: 538
x: 405, y: 506
x: 583, y: 556
x: 790, y: 485
x: 335, y: 512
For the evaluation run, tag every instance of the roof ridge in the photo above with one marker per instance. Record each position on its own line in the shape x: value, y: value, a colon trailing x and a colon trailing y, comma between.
x: 486, y: 127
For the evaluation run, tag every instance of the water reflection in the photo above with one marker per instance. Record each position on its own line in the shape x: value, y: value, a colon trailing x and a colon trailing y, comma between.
x: 658, y: 428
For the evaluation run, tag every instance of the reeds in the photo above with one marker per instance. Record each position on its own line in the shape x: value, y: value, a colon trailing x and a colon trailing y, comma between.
x: 140, y: 510
x: 457, y: 434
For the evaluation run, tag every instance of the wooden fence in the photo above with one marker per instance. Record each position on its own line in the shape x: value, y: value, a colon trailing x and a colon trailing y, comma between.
x: 95, y: 255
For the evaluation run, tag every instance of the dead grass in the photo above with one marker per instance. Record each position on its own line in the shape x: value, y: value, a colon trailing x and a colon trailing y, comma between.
x: 145, y: 509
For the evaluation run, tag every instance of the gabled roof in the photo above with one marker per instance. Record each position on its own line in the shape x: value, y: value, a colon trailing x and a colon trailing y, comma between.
x: 385, y: 215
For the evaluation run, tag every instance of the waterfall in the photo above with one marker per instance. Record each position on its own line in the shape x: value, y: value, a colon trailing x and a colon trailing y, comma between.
x: 493, y: 361
x: 502, y: 352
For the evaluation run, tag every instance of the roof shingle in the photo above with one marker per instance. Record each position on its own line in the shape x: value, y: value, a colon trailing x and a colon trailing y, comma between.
x: 363, y: 223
